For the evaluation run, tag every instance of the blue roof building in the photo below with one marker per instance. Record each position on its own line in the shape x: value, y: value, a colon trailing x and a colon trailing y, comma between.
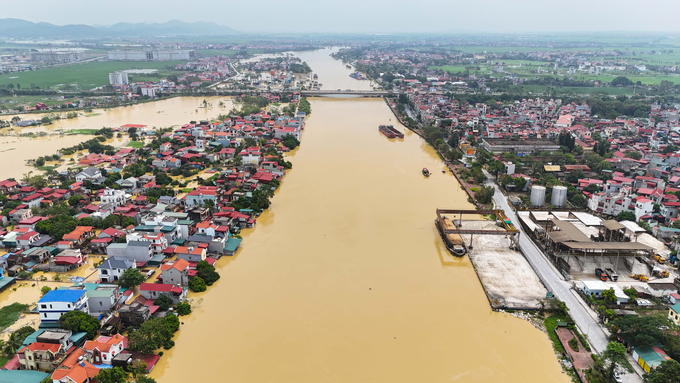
x: 57, y: 302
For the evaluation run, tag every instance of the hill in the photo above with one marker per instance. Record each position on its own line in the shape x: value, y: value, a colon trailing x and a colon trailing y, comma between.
x: 18, y: 28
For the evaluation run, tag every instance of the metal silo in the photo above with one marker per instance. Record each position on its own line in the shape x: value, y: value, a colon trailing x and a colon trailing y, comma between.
x: 559, y: 196
x: 537, y: 195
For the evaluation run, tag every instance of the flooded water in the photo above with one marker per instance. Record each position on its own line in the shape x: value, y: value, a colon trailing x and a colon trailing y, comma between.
x: 332, y: 73
x: 345, y: 278
x: 14, y: 150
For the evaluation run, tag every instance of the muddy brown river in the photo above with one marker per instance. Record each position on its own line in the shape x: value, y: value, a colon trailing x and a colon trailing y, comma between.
x: 345, y: 278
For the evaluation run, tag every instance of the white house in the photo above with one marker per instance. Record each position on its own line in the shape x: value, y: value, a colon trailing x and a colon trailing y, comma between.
x: 105, y: 348
x: 113, y: 267
x: 113, y: 196
x: 57, y: 302
x: 90, y: 173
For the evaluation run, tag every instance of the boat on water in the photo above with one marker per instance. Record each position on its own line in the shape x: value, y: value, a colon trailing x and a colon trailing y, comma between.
x: 390, y: 131
x: 454, y: 242
x: 426, y: 172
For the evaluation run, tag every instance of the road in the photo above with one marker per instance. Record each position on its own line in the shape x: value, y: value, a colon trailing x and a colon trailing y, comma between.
x: 554, y: 282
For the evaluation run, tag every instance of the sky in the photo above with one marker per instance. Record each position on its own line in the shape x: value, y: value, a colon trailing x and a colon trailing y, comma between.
x: 365, y: 16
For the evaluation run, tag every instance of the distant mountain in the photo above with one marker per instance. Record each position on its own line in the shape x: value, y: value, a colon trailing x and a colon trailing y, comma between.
x: 18, y: 28
x: 173, y: 27
x: 25, y: 29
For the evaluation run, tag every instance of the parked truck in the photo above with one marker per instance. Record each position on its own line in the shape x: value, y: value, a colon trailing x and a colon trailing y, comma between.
x: 612, y: 275
x: 601, y: 274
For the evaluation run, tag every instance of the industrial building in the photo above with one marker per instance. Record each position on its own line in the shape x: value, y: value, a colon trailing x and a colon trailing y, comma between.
x: 519, y: 146
x: 151, y: 55
x: 55, y: 57
x: 579, y: 242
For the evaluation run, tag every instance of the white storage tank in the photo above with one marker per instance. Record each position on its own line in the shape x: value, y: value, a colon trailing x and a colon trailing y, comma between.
x: 537, y: 195
x: 559, y: 196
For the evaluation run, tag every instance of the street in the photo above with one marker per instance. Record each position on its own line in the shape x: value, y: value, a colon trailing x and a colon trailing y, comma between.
x: 551, y: 278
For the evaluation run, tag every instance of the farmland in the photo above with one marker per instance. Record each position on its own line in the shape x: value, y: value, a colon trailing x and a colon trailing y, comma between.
x: 86, y: 75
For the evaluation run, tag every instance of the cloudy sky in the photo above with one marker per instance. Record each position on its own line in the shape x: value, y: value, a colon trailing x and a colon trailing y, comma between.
x: 364, y: 15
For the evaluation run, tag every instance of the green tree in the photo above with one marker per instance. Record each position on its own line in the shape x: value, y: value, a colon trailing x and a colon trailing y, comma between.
x: 163, y: 302
x: 626, y: 216
x: 44, y: 290
x: 183, y: 309
x: 153, y: 334
x: 144, y: 379
x: 137, y: 367
x: 131, y: 278
x: 40, y: 161
x: 74, y: 199
x: 633, y: 155
x: 485, y: 194
x: 196, y: 284
x: 667, y: 372
x: 642, y: 330
x: 207, y: 272
x: 579, y: 200
x: 615, y: 355
x: 16, y: 339
x: 520, y: 182
x: 670, y: 148
x: 609, y: 295
x: 111, y: 375
x: 78, y: 321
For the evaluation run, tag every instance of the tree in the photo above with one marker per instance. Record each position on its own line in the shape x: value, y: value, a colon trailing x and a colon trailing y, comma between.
x: 183, y: 309
x: 574, y: 176
x: 153, y: 334
x: 634, y: 155
x: 16, y: 339
x: 670, y: 148
x: 592, y: 188
x: 197, y: 284
x: 610, y: 295
x: 40, y: 161
x: 44, y: 290
x: 207, y: 272
x: 621, y: 81
x: 137, y: 367
x: 131, y: 278
x: 74, y: 199
x: 520, y: 182
x: 615, y: 355
x: 642, y: 330
x: 111, y: 375
x: 579, y: 200
x: 78, y: 321
x: 626, y: 216
x: 485, y: 194
x: 667, y: 372
x: 163, y: 302
x: 144, y: 379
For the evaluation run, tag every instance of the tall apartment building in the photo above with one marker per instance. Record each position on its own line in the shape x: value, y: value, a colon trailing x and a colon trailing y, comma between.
x: 118, y: 78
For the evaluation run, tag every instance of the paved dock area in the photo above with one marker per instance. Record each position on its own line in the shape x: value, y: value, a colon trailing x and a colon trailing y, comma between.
x: 507, y: 278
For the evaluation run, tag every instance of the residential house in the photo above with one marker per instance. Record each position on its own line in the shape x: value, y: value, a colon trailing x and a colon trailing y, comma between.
x: 154, y: 290
x: 89, y: 174
x: 57, y: 302
x: 103, y: 349
x: 176, y: 273
x: 113, y: 268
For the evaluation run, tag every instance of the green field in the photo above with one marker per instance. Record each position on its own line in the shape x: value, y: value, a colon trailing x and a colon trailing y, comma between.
x: 86, y: 75
x: 136, y: 144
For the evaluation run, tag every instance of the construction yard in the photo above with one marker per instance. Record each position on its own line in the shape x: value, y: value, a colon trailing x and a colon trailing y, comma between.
x: 507, y: 278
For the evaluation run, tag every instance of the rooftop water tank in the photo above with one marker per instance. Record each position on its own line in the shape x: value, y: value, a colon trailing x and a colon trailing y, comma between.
x: 537, y: 195
x: 559, y: 196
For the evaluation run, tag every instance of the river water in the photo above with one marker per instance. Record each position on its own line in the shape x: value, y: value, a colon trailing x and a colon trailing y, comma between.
x: 345, y: 278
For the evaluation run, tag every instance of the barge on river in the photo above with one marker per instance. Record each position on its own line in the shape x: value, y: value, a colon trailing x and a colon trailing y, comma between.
x: 452, y: 231
x: 390, y: 131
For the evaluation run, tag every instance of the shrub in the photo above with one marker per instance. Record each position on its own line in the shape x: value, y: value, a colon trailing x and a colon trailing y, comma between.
x: 197, y: 284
